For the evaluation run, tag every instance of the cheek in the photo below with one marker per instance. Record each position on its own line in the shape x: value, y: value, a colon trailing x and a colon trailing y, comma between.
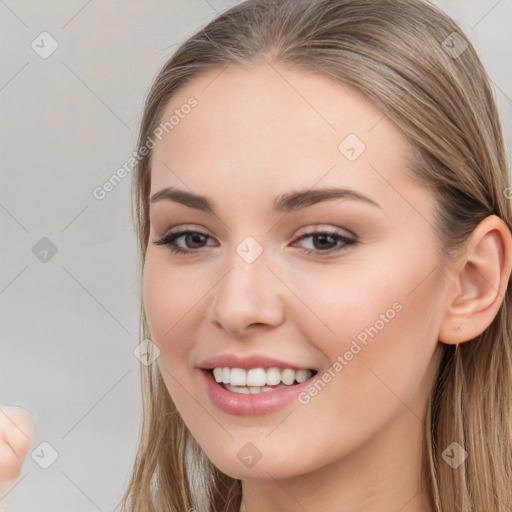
x: 169, y: 294
x: 382, y: 317
x: 380, y: 354
x: 167, y: 299
x: 174, y: 303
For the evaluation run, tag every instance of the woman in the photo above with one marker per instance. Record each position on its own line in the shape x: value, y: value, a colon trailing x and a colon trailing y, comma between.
x: 322, y: 209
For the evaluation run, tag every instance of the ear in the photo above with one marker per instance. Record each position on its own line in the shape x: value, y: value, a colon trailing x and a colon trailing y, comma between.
x: 481, y: 277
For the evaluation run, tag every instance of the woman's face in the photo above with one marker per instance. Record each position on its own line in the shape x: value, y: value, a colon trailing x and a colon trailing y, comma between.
x: 345, y: 283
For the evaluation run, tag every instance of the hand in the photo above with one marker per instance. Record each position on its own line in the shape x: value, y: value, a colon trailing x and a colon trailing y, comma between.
x: 16, y: 432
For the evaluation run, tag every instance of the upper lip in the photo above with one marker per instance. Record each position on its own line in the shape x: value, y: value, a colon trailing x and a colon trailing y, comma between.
x: 248, y: 362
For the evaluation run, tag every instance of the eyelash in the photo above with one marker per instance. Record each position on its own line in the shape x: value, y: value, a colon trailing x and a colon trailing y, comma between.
x: 170, y: 238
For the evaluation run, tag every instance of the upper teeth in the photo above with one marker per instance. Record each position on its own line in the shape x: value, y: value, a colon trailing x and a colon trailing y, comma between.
x: 259, y: 376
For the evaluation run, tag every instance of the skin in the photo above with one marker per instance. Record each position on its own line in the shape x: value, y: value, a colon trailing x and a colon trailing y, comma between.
x: 254, y: 135
x: 16, y: 432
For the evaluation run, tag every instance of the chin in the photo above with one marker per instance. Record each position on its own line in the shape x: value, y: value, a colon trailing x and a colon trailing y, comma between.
x: 266, y: 468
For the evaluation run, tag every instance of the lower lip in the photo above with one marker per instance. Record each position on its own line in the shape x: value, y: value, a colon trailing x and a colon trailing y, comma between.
x: 251, y: 404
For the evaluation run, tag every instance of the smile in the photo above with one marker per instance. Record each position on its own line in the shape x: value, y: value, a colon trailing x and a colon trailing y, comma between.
x: 254, y: 400
x: 258, y: 380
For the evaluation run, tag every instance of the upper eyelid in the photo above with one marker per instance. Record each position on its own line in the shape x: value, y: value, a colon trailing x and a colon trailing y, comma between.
x: 331, y: 230
x: 306, y: 232
x: 182, y: 232
x: 302, y: 231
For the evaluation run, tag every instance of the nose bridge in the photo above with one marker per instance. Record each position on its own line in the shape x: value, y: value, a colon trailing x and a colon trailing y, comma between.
x: 248, y: 293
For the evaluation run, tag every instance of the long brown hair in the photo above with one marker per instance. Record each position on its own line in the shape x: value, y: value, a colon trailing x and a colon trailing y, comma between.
x: 415, y: 64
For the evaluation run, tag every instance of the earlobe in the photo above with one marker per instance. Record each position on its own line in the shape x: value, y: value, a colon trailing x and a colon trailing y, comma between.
x: 480, y: 282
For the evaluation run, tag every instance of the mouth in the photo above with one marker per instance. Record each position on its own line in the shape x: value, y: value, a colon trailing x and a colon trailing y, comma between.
x: 254, y: 384
x: 247, y: 392
x: 259, y: 380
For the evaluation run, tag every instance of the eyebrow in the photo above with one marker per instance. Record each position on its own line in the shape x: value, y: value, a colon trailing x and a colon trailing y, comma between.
x: 283, y: 203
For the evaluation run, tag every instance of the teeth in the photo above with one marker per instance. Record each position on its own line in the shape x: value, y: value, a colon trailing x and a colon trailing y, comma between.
x: 252, y: 390
x: 273, y: 377
x: 302, y: 375
x: 218, y: 374
x: 257, y: 378
x: 288, y: 377
x: 238, y: 377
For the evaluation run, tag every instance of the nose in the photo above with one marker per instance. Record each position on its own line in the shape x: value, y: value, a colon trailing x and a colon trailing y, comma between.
x: 248, y: 297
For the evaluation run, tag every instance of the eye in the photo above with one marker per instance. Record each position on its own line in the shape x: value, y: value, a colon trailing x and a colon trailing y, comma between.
x: 192, y: 239
x: 325, y: 242
x: 319, y: 242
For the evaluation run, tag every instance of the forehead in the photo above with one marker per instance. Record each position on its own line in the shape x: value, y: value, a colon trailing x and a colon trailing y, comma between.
x: 273, y: 124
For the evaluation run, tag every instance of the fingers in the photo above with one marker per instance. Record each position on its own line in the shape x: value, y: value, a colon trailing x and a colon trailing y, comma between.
x: 16, y: 432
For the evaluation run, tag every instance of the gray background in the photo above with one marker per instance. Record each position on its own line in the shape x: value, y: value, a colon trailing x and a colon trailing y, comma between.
x: 69, y: 325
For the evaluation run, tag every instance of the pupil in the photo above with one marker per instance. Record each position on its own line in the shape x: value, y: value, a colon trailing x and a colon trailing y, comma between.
x: 195, y: 238
x: 323, y: 239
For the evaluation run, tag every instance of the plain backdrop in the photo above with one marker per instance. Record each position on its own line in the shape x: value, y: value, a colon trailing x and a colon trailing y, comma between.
x: 69, y: 273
